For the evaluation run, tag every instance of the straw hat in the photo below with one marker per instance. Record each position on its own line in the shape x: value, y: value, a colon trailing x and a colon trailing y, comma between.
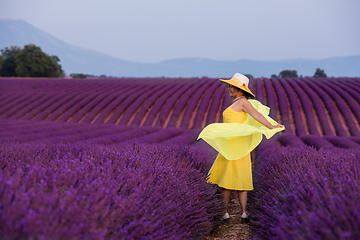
x: 239, y: 81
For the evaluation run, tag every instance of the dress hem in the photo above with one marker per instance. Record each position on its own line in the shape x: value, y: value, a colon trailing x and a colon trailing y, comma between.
x: 232, y: 188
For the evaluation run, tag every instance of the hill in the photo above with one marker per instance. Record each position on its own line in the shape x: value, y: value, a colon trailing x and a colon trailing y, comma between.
x: 79, y: 60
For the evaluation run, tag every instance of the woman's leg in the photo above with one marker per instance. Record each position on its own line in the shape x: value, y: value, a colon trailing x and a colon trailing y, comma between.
x: 243, y: 200
x: 225, y: 196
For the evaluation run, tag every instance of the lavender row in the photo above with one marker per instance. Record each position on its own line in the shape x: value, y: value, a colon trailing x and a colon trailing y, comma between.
x: 158, y: 108
x: 306, y: 193
x: 12, y: 100
x: 149, y: 103
x: 87, y: 192
x: 289, y: 139
x: 190, y: 106
x: 295, y: 107
x: 182, y: 102
x: 8, y: 111
x: 342, y: 142
x: 348, y: 89
x: 53, y: 112
x: 317, y: 142
x: 138, y: 102
x: 271, y: 99
x: 68, y: 103
x: 331, y: 108
x: 74, y: 107
x: 161, y: 135
x: 42, y: 111
x: 44, y: 85
x: 95, y: 103
x: 353, y: 83
x: 41, y: 107
x: 198, y: 105
x: 104, y: 134
x: 125, y: 101
x: 85, y: 88
x: 12, y: 129
x: 259, y: 93
x: 204, y: 106
x: 168, y: 108
x: 130, y: 137
x: 30, y: 106
x: 78, y: 106
x: 84, y: 134
x: 111, y: 108
x: 46, y: 108
x: 171, y: 105
x: 214, y: 108
x: 342, y: 107
x: 307, y: 107
x: 76, y: 85
x: 187, y: 137
x: 116, y: 135
x: 57, y: 134
x: 74, y: 133
x: 98, y: 108
x: 318, y: 106
x: 343, y: 96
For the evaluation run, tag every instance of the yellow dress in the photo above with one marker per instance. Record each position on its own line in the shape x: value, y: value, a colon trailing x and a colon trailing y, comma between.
x: 234, y: 140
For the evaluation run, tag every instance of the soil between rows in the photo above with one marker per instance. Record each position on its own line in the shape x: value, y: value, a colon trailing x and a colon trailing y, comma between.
x: 231, y: 228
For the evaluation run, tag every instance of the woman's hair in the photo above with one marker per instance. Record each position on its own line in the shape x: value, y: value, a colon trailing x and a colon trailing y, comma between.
x: 246, y: 94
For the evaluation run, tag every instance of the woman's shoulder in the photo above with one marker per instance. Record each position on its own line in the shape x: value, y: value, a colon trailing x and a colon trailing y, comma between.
x: 243, y: 101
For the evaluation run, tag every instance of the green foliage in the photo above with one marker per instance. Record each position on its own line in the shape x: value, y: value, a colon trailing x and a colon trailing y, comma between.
x: 319, y: 73
x: 288, y: 73
x: 29, y: 62
x: 274, y: 76
x: 8, y: 66
x: 78, y: 75
x: 1, y: 61
x: 32, y: 62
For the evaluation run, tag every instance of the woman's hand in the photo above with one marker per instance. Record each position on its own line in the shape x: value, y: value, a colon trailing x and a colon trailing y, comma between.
x: 279, y: 126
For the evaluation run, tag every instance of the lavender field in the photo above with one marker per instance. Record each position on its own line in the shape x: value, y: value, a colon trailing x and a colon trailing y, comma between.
x: 303, y: 193
x: 55, y: 191
x: 309, y: 108
x: 121, y: 155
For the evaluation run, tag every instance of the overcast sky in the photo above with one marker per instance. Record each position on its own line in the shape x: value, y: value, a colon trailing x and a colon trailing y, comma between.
x: 155, y: 30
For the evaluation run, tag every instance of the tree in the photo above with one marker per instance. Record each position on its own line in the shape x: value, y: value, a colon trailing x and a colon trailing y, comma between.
x: 32, y: 62
x: 288, y: 73
x: 319, y: 73
x: 78, y: 75
x: 8, y: 66
x: 1, y: 62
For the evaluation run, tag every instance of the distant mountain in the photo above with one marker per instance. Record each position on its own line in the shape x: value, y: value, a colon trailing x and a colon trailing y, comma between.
x: 79, y: 60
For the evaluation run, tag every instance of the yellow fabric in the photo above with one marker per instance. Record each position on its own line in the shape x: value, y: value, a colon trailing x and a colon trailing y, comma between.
x: 234, y: 140
x: 240, y: 133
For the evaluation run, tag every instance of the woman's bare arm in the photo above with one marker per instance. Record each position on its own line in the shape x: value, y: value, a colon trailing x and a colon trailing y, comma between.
x: 248, y: 108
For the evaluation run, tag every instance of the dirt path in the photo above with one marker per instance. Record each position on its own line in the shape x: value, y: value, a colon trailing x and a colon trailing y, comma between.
x: 232, y: 228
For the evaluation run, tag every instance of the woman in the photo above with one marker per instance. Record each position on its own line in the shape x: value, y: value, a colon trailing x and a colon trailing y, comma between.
x: 245, y: 121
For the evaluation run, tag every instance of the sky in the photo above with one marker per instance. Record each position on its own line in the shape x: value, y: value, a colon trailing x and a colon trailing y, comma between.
x: 150, y: 31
